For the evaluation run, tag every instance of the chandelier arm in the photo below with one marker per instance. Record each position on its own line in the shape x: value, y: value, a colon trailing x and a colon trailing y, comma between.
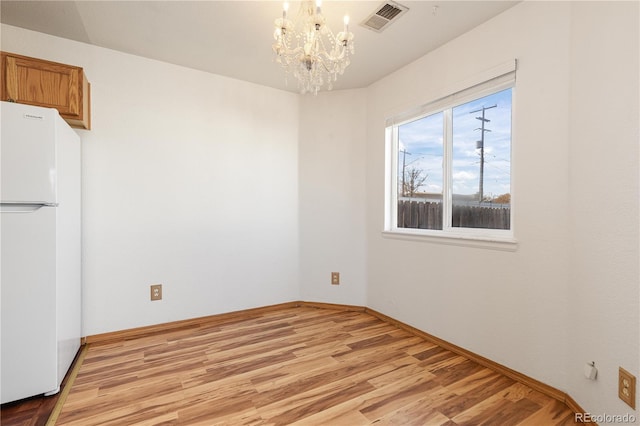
x: 290, y: 52
x: 334, y: 58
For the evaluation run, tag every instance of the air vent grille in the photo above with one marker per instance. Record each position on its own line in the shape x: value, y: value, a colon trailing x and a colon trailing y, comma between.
x: 388, y: 11
x: 384, y: 15
x: 375, y: 22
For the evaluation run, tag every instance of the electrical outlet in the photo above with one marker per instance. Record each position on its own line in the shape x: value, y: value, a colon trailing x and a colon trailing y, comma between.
x: 335, y: 278
x: 156, y: 292
x: 627, y: 387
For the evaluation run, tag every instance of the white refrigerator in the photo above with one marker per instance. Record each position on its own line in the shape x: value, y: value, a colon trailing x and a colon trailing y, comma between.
x: 40, y: 265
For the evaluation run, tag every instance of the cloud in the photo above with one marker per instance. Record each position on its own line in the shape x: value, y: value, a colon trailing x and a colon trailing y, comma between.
x: 422, y: 140
x: 463, y: 175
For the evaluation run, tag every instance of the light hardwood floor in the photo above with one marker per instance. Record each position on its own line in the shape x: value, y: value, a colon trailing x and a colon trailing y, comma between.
x: 299, y: 365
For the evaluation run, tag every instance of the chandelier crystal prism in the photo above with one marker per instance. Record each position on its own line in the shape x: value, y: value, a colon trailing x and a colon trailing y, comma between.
x: 308, y: 50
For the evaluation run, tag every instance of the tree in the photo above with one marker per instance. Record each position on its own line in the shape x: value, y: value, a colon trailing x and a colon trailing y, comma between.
x: 413, y: 180
x: 502, y: 199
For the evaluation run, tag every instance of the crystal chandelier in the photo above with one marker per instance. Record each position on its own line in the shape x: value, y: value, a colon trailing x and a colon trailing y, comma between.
x: 308, y: 49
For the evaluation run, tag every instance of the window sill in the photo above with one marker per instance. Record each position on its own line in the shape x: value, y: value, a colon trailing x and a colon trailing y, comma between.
x: 492, y: 243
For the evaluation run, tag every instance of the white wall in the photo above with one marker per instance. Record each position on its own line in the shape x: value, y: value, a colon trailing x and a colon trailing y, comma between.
x: 603, y: 143
x: 332, y: 197
x: 525, y: 309
x: 544, y: 309
x: 189, y: 180
x: 504, y: 305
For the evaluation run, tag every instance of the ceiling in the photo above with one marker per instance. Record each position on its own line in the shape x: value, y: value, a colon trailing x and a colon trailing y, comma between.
x: 234, y: 38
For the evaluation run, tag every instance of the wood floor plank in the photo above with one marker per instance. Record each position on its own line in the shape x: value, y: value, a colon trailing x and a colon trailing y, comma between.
x: 217, y: 405
x: 400, y: 369
x: 472, y: 382
x: 552, y: 413
x: 415, y: 415
x: 497, y: 409
x: 280, y: 375
x: 398, y: 396
x: 331, y: 417
x: 341, y: 373
x: 420, y: 412
x: 297, y: 365
x: 128, y: 407
x: 299, y: 407
x: 462, y: 403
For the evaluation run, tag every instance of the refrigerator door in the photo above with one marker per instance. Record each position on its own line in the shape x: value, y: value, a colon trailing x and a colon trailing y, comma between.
x: 27, y: 154
x: 28, y: 364
x: 68, y: 245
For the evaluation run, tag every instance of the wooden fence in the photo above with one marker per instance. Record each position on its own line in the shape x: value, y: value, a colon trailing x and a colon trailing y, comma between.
x: 428, y: 215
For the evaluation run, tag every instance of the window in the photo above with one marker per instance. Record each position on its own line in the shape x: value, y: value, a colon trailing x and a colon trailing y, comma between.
x: 449, y: 165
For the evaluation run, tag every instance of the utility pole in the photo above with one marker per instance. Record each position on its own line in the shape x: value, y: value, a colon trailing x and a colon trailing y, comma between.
x: 404, y: 165
x: 480, y: 145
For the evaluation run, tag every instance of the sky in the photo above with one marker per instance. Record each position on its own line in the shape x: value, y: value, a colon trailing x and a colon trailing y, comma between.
x: 422, y: 140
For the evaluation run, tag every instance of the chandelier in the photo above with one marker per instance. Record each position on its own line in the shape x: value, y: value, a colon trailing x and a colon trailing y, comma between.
x: 308, y: 49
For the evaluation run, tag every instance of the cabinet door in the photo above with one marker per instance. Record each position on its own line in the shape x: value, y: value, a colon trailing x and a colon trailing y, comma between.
x: 48, y: 84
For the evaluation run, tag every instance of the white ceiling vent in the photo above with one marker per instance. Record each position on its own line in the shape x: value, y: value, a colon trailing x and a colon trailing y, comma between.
x: 386, y: 13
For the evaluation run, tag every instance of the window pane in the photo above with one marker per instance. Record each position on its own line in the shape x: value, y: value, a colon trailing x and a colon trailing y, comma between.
x: 481, y: 163
x: 420, y: 181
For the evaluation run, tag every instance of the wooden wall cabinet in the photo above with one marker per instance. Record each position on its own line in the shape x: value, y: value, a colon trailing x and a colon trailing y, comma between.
x: 48, y: 84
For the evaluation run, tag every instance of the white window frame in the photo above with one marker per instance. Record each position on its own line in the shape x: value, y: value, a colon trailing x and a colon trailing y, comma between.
x: 493, y: 81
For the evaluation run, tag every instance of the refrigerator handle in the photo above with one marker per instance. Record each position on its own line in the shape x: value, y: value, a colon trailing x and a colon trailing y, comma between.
x: 23, y: 207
